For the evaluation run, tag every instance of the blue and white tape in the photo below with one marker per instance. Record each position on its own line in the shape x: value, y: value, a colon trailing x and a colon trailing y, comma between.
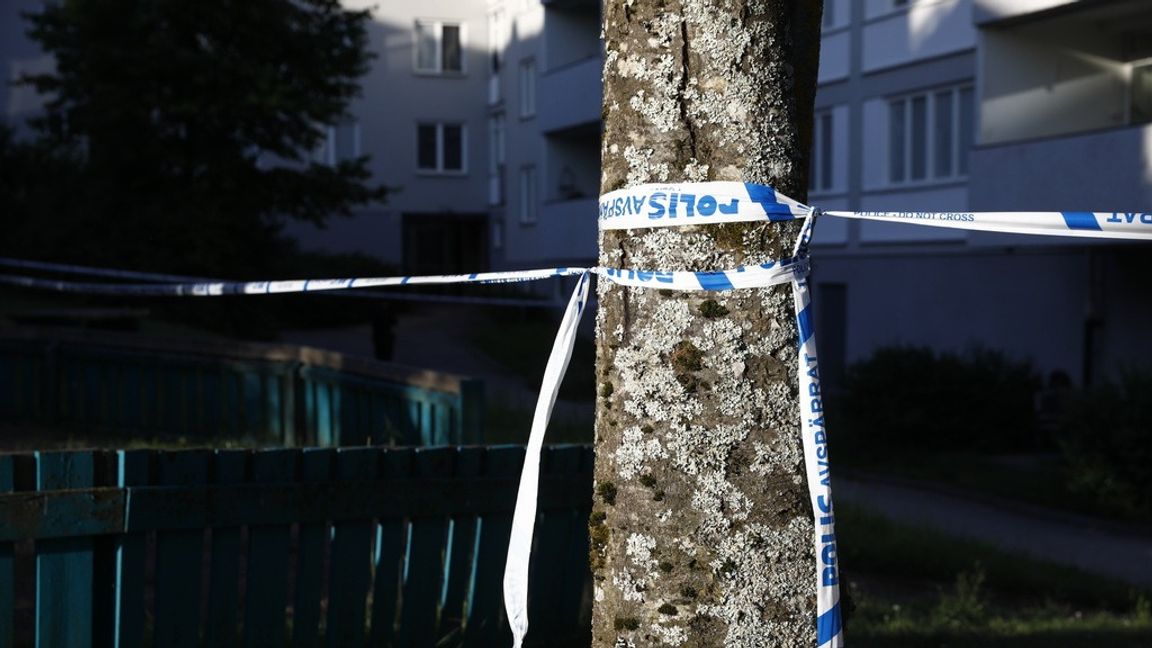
x: 644, y: 206
x: 1105, y: 225
x: 695, y: 203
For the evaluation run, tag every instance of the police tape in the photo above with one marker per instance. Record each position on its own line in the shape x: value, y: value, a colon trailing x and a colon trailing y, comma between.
x: 697, y: 203
x: 645, y: 206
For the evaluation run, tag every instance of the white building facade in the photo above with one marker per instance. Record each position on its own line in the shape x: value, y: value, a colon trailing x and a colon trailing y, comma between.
x: 485, y: 116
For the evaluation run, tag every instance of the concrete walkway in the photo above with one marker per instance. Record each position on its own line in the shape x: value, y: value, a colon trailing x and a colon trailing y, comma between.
x: 1094, y: 546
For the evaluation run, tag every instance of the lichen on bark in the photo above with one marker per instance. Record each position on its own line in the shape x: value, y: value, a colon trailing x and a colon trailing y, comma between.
x: 707, y: 539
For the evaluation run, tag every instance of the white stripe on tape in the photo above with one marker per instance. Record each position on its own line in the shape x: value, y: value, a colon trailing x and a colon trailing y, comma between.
x: 695, y: 203
x: 218, y: 288
x: 657, y: 205
x: 1106, y: 225
x: 524, y: 518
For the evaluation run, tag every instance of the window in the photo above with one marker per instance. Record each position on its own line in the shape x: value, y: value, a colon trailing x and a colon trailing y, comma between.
x: 528, y: 195
x: 820, y: 175
x: 1141, y: 91
x: 496, y: 159
x: 441, y: 148
x: 929, y: 134
x: 341, y: 142
x: 527, y: 87
x: 829, y: 18
x: 439, y: 47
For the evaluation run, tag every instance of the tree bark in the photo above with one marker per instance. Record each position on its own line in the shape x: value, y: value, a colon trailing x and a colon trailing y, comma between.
x: 701, y: 529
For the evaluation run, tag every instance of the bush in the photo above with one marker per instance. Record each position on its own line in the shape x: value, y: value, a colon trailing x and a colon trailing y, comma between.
x: 1107, y: 443
x: 911, y: 399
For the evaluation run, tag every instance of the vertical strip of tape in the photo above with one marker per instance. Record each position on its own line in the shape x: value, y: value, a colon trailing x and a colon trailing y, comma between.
x: 524, y: 517
x: 815, y: 441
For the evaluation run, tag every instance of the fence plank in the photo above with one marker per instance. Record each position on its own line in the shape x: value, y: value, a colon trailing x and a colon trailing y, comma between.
x: 64, y: 566
x: 423, y: 578
x: 549, y: 580
x: 223, y: 581
x: 268, y: 563
x: 179, y: 557
x: 7, y: 564
x: 133, y: 470
x: 315, y: 466
x: 486, y: 624
x: 351, y: 557
x: 391, y: 549
x: 461, y: 555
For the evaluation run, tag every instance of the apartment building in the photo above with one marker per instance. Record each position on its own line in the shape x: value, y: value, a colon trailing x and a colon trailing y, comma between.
x: 485, y: 115
x: 956, y: 105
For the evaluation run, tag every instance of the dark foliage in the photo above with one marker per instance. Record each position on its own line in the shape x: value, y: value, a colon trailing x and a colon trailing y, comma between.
x: 177, y: 136
x: 1107, y: 444
x: 913, y: 399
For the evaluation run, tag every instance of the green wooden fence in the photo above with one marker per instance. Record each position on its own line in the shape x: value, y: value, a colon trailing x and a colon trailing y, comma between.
x: 287, y: 547
x: 282, y: 395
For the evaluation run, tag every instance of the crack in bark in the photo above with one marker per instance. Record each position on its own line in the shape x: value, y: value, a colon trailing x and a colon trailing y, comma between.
x: 683, y: 90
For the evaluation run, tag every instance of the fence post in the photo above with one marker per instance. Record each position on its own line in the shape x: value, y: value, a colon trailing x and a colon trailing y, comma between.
x: 470, y: 415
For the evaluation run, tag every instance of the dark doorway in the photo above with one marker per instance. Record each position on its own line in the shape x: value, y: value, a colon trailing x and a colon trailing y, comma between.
x: 445, y: 243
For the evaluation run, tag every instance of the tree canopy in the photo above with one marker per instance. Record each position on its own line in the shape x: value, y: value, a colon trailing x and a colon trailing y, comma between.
x: 180, y: 135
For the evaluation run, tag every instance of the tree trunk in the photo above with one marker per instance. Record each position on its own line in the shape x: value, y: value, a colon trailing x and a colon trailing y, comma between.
x: 701, y: 529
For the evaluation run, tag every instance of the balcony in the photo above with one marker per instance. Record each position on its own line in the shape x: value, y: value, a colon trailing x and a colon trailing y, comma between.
x: 570, y: 95
x: 1104, y: 170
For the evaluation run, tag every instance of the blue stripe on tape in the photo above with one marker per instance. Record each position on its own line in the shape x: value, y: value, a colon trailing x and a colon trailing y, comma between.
x: 713, y: 281
x: 828, y: 625
x: 804, y: 323
x: 1081, y: 220
x: 765, y: 196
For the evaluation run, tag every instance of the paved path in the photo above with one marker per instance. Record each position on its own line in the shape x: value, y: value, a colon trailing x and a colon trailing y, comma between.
x: 1055, y: 536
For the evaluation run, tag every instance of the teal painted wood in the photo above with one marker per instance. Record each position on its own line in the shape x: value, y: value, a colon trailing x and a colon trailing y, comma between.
x: 470, y: 412
x: 574, y: 561
x: 324, y: 433
x: 179, y: 557
x: 424, y: 573
x: 268, y: 564
x: 486, y: 624
x: 64, y: 567
x: 460, y: 571
x: 222, y: 627
x: 7, y: 563
x: 549, y: 580
x: 250, y: 403
x: 337, y: 395
x: 274, y: 424
x: 133, y: 470
x: 349, y: 578
x: 312, y: 540
x: 104, y: 553
x: 391, y: 549
x: 288, y: 412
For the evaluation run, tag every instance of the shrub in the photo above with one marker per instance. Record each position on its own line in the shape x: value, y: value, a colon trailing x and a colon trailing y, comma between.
x: 910, y: 399
x: 1107, y: 444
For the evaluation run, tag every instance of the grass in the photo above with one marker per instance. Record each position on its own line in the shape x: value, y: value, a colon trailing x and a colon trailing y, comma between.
x: 911, y: 586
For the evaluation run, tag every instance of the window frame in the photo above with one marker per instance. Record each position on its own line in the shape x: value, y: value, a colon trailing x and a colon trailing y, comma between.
x: 909, y: 158
x: 438, y: 25
x: 326, y: 154
x: 529, y: 195
x: 822, y: 170
x: 440, y: 141
x: 527, y: 87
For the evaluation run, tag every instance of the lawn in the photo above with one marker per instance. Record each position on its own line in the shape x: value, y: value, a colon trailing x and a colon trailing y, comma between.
x: 912, y: 586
